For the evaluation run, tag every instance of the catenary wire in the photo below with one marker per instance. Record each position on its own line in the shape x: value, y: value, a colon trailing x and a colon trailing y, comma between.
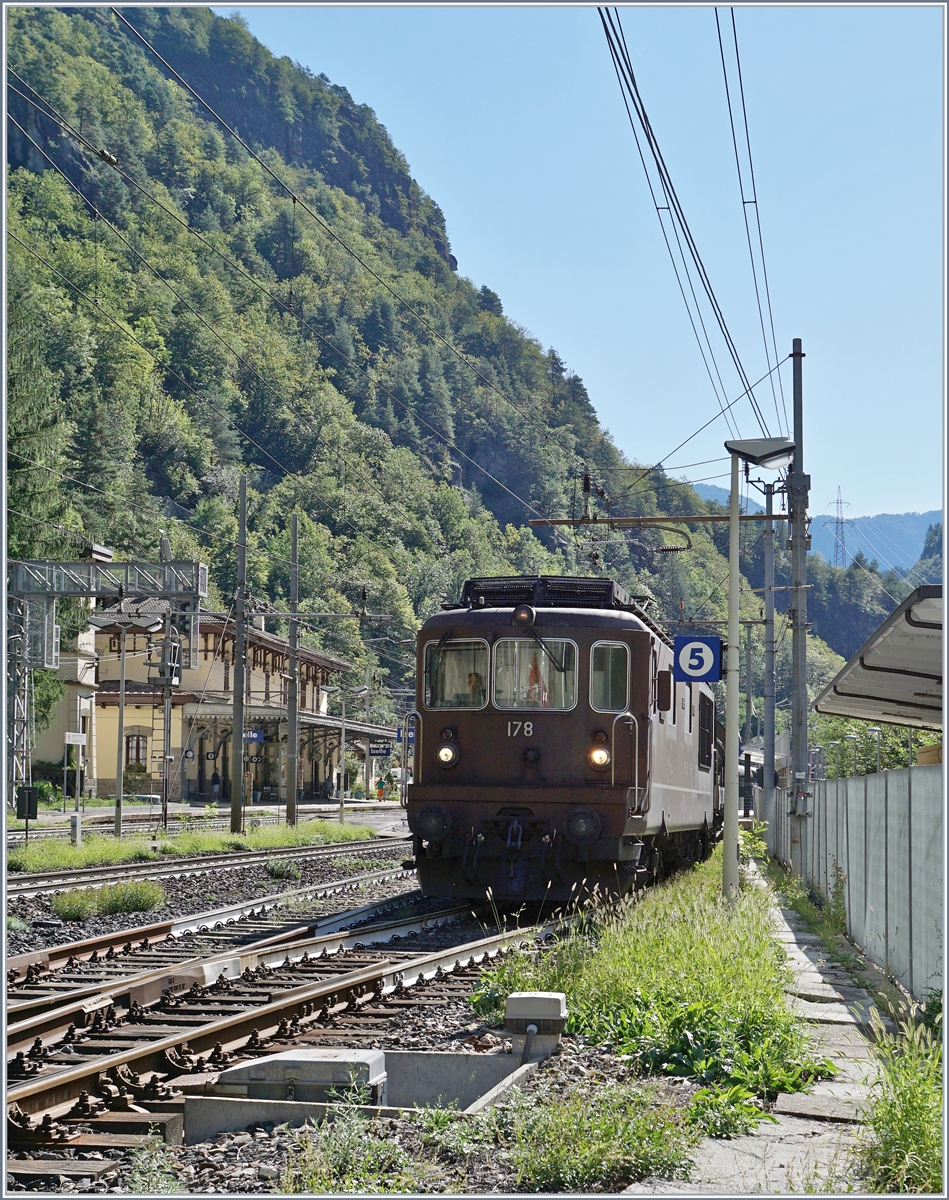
x: 753, y: 202
x: 613, y: 29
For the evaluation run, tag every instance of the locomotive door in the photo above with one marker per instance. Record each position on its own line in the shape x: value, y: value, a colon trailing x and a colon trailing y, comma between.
x: 611, y: 696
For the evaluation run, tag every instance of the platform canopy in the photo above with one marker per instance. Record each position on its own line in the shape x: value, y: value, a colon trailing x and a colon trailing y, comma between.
x: 896, y: 677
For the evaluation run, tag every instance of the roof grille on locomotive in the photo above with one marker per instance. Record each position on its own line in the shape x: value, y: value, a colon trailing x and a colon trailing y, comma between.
x: 546, y: 591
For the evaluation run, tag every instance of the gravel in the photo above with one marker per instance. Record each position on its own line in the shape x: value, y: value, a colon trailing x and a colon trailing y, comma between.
x: 209, y: 890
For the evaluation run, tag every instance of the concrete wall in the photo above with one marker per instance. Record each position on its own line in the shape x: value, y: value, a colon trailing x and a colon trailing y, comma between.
x: 885, y: 832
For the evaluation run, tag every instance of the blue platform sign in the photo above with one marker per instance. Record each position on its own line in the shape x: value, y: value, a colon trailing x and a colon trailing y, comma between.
x: 697, y: 659
x: 253, y: 735
x: 398, y: 734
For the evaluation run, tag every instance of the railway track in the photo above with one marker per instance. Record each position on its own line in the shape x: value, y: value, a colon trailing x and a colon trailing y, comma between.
x: 89, y: 1081
x: 44, y: 883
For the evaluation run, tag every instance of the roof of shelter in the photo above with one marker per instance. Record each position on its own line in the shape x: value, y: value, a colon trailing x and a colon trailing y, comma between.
x: 896, y: 676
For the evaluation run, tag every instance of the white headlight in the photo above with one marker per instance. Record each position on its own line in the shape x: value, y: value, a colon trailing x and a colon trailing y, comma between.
x: 447, y: 755
x: 599, y: 757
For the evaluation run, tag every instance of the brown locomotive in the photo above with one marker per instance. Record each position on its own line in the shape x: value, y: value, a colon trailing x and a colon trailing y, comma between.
x: 553, y: 750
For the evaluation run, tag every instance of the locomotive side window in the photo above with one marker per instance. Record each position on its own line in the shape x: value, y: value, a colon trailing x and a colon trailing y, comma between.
x: 609, y: 677
x: 531, y: 674
x: 456, y: 674
x: 706, y: 730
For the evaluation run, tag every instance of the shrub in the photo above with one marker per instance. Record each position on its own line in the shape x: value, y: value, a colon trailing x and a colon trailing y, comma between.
x: 17, y: 925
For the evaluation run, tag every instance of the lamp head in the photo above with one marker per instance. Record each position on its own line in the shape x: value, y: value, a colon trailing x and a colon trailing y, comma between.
x: 770, y: 453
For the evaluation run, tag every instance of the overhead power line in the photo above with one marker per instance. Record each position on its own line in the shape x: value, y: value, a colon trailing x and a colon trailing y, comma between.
x: 751, y: 201
x: 692, y: 264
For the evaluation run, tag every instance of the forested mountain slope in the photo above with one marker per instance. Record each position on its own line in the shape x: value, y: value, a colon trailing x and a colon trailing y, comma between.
x: 177, y: 318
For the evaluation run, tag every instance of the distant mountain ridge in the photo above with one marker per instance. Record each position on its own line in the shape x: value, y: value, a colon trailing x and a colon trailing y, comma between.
x: 895, y: 540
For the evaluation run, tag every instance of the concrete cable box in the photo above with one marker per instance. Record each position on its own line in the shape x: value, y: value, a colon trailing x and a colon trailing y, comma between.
x: 318, y: 1075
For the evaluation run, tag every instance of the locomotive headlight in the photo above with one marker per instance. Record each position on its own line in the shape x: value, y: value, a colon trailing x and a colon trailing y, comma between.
x: 447, y: 755
x: 599, y: 757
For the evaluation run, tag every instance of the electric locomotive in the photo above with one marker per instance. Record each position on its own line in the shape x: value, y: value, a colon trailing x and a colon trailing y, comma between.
x: 554, y: 751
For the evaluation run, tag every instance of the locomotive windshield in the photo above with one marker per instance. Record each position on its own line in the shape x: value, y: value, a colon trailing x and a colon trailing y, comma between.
x: 528, y: 674
x: 456, y: 674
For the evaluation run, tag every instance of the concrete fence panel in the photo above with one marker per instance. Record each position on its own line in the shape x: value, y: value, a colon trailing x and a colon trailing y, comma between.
x: 885, y: 833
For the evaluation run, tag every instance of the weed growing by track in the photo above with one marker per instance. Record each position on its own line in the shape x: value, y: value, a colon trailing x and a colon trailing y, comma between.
x: 17, y: 925
x: 283, y: 868
x: 683, y: 984
x: 97, y: 851
x: 824, y: 916
x: 349, y: 1153
x: 143, y: 895
x: 598, y: 1138
x: 902, y: 1145
x: 151, y: 1174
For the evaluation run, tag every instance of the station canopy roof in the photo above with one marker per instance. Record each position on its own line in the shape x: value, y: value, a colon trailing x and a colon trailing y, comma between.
x: 896, y: 677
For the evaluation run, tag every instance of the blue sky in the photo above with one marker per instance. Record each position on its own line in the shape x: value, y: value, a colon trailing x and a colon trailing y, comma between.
x: 511, y: 118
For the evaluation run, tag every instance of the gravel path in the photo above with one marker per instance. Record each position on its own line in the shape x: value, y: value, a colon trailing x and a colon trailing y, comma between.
x: 196, y: 894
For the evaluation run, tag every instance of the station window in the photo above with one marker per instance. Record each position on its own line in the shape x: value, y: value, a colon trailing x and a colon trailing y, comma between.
x: 706, y: 731
x: 609, y: 677
x: 528, y: 674
x: 136, y: 751
x: 456, y: 674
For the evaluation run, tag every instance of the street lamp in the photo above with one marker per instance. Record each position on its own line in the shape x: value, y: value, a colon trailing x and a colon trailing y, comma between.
x: 878, y: 731
x: 836, y: 746
x: 772, y: 454
x: 852, y: 737
x: 344, y: 692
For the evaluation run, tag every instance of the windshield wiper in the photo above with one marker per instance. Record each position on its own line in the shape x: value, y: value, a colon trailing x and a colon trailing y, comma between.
x: 561, y: 667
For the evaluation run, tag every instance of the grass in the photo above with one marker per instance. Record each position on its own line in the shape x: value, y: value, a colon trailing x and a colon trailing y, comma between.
x: 902, y: 1145
x: 100, y: 851
x: 596, y: 1139
x: 17, y: 925
x: 683, y: 984
x: 283, y: 868
x: 151, y: 1174
x: 822, y: 915
x: 134, y: 896
x: 346, y: 1153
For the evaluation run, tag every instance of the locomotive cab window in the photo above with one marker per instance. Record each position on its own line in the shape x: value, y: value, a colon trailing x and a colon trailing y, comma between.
x: 456, y: 674
x: 609, y: 677
x: 706, y: 731
x: 530, y: 673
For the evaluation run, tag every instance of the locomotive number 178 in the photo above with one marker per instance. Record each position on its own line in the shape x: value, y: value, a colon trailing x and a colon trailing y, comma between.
x: 524, y: 727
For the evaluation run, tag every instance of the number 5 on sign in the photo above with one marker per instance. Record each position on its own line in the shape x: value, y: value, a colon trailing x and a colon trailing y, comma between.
x: 697, y: 659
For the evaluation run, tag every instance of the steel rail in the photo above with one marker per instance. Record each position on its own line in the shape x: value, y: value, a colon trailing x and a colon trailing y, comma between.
x: 211, y: 921
x: 44, y: 882
x: 382, y: 977
x: 321, y: 935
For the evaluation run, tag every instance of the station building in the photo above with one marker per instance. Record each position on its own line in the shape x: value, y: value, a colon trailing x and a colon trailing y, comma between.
x: 202, y: 714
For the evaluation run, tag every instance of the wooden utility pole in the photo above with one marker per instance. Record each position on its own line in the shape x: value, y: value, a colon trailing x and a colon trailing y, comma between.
x: 237, y: 736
